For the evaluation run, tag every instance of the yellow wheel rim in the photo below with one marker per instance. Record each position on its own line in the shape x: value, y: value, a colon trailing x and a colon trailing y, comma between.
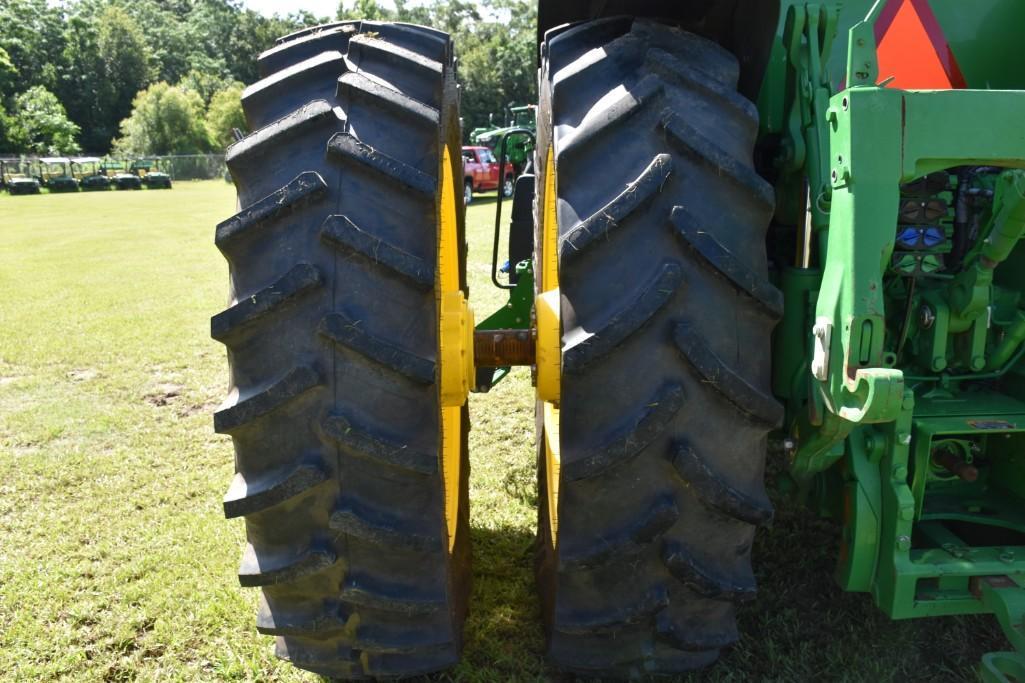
x: 549, y: 343
x: 455, y: 345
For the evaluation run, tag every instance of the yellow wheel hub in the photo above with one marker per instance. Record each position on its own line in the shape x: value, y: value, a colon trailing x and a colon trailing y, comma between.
x: 456, y: 367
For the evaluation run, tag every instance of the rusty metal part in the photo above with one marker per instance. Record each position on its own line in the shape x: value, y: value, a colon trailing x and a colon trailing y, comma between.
x: 499, y: 348
x: 955, y: 465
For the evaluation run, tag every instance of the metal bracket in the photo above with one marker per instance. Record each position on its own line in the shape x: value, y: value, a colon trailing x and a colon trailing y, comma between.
x: 1005, y: 597
x: 514, y: 315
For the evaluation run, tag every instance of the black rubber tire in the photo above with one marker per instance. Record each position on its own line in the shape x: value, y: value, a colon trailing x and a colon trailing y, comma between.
x: 332, y: 341
x: 467, y: 192
x: 666, y: 314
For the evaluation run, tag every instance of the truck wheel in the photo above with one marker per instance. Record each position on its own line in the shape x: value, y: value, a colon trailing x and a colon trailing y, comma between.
x: 507, y: 187
x: 351, y: 461
x: 467, y: 192
x: 652, y: 457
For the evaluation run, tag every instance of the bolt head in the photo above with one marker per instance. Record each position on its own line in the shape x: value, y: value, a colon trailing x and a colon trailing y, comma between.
x: 926, y: 317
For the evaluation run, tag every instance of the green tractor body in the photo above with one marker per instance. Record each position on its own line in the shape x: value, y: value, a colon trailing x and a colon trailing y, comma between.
x: 898, y: 356
x: 867, y: 214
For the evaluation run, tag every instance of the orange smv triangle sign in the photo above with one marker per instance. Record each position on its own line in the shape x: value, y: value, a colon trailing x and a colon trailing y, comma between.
x: 912, y: 48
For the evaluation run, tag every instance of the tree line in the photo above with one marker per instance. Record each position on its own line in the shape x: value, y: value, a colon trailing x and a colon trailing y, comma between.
x: 145, y: 77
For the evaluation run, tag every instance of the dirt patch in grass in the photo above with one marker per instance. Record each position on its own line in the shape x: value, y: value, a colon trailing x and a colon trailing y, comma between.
x: 83, y: 374
x: 164, y: 394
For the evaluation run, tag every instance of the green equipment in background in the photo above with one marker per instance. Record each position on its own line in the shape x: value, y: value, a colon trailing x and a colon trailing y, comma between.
x: 110, y: 166
x: 19, y: 177
x: 126, y: 179
x: 519, y: 151
x: 56, y: 175
x: 151, y: 174
x: 89, y: 173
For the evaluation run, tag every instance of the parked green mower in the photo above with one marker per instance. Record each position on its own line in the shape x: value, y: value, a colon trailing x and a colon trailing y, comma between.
x: 866, y: 215
x: 126, y: 180
x: 90, y: 175
x: 19, y: 177
x: 56, y: 175
x: 120, y: 175
x: 111, y: 167
x: 151, y: 174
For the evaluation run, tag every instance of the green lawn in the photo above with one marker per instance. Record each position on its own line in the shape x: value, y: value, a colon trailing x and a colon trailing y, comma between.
x: 116, y: 562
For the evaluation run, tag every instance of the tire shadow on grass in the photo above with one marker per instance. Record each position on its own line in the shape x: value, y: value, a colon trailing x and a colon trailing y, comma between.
x: 503, y: 639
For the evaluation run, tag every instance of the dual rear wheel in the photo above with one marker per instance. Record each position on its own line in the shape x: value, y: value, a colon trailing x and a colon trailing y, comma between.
x: 350, y: 440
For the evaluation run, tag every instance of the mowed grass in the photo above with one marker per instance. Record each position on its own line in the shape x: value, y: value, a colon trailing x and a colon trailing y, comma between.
x: 116, y: 562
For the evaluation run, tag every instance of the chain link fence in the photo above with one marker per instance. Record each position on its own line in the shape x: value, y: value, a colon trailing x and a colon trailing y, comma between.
x: 194, y: 166
x: 178, y: 166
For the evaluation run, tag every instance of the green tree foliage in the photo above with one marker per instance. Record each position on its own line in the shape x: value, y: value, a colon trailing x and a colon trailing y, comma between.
x: 7, y: 134
x: 497, y: 60
x: 8, y: 72
x: 96, y: 55
x: 206, y: 82
x: 123, y: 53
x: 364, y: 9
x: 225, y: 115
x: 83, y: 86
x: 31, y: 33
x: 168, y: 36
x: 165, y: 120
x: 40, y: 124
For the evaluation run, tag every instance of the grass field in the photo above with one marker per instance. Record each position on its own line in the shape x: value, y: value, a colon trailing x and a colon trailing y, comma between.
x: 115, y: 560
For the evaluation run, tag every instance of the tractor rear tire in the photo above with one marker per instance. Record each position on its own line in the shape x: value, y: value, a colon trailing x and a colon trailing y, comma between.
x: 646, y: 525
x: 351, y: 475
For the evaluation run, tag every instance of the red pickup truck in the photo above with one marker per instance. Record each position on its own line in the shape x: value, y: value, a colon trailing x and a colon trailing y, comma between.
x: 480, y: 171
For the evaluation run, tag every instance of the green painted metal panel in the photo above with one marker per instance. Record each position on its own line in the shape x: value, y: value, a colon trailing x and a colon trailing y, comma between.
x: 986, y: 39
